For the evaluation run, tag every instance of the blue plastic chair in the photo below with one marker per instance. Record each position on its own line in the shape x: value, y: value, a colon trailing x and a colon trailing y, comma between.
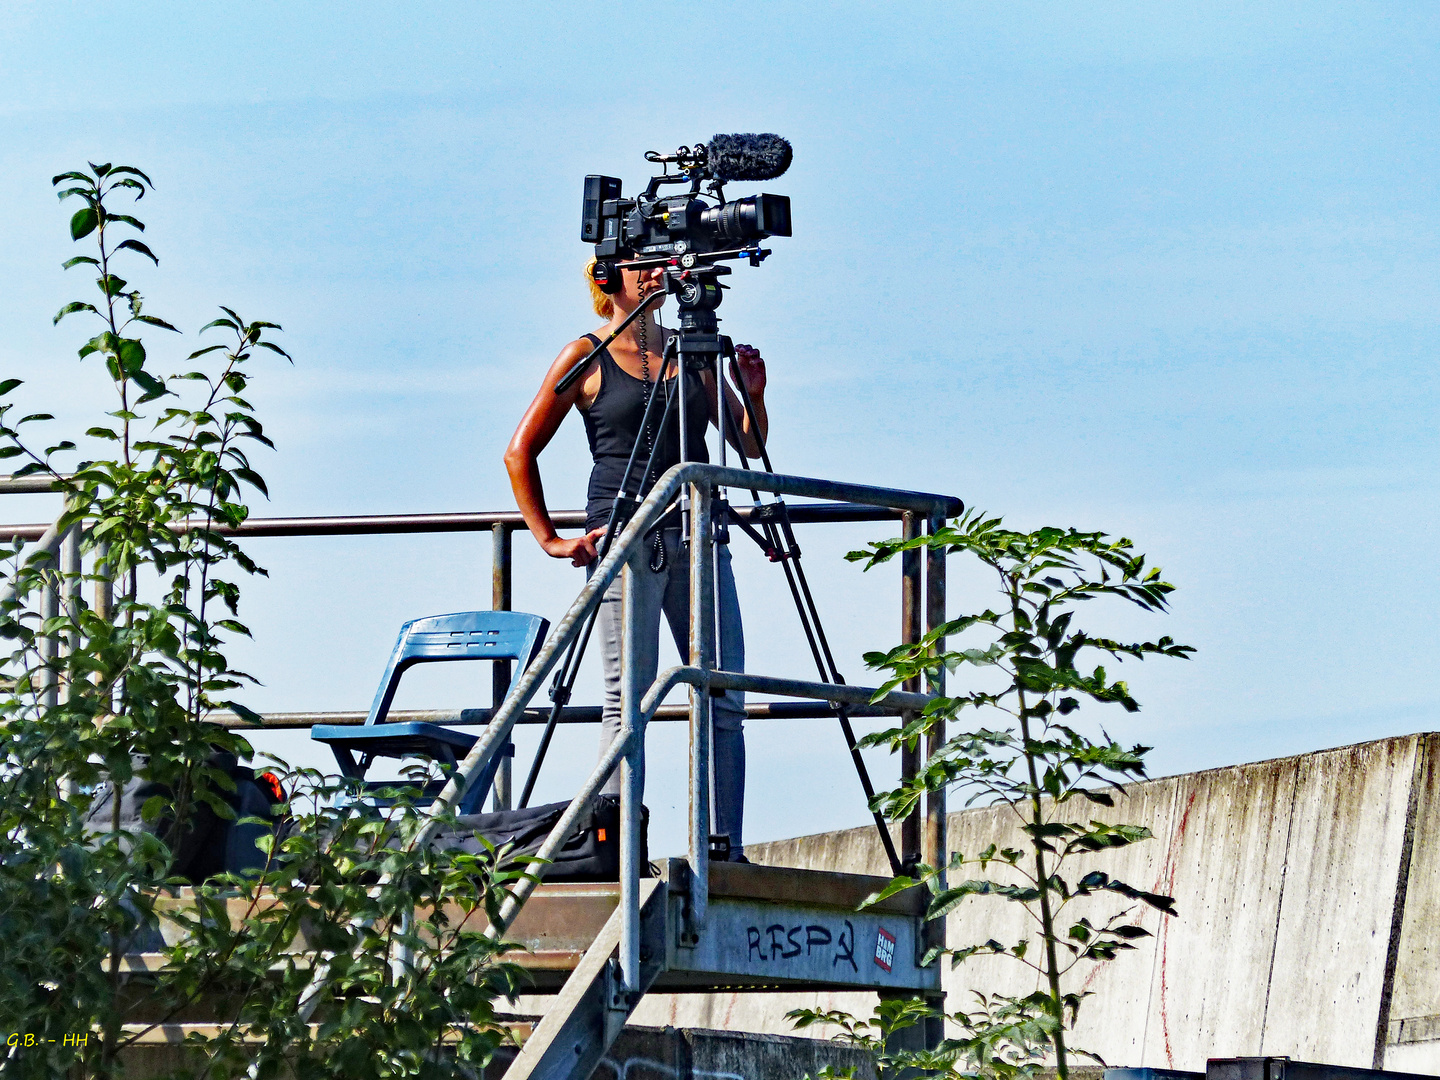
x: 464, y: 635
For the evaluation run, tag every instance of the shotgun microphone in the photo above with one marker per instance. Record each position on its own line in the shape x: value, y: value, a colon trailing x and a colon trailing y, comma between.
x: 747, y: 157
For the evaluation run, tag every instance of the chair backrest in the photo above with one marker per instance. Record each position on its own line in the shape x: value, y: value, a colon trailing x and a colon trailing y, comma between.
x: 464, y: 635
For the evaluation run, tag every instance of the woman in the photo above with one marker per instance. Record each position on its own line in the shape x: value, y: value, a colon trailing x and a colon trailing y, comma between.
x: 611, y: 398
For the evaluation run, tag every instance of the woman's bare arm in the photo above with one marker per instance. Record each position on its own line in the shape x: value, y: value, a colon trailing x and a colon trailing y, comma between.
x: 537, y: 427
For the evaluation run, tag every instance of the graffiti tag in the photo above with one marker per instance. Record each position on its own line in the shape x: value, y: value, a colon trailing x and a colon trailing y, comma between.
x: 781, y: 942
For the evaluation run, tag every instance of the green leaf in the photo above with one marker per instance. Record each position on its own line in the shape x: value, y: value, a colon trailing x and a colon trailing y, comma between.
x: 276, y: 348
x: 153, y: 321
x: 72, y: 307
x: 136, y: 245
x: 127, y: 219
x: 153, y: 387
x: 83, y: 223
x: 9, y: 384
x: 133, y: 172
x: 246, y: 714
x: 897, y: 885
x: 253, y: 479
x: 77, y: 260
x: 1129, y: 932
x: 132, y: 356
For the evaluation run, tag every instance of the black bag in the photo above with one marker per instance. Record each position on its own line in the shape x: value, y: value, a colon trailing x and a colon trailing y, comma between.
x: 591, y: 853
x: 209, y: 844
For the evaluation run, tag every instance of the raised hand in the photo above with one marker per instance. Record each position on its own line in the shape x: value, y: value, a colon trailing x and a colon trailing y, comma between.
x: 749, y: 367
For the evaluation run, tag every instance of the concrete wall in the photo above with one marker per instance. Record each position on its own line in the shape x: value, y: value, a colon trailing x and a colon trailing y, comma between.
x: 638, y: 1054
x: 642, y: 1053
x: 1308, y: 891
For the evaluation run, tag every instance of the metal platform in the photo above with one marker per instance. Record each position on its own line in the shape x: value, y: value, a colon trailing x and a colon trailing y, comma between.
x: 768, y: 928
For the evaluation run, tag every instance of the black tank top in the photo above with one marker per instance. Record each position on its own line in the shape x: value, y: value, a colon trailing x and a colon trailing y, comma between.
x: 612, y: 424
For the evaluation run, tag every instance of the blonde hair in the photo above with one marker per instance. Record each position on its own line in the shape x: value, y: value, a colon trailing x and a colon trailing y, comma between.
x: 603, y: 304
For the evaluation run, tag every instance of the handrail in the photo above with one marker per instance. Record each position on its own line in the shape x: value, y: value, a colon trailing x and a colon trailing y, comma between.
x: 34, y: 484
x: 649, y: 512
x: 864, y: 501
x: 570, y: 714
x: 477, y: 521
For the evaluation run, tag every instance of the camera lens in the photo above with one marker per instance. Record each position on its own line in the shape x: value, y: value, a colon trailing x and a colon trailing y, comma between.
x: 751, y: 218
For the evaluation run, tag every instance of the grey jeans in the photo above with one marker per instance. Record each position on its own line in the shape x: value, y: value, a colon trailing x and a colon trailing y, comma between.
x: 668, y: 592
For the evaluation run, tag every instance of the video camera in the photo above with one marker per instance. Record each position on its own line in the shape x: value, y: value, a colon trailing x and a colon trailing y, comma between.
x: 695, y: 227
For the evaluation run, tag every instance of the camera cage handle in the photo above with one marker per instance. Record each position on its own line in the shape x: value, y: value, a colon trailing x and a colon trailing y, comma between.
x: 576, y: 369
x: 703, y: 262
x: 687, y: 175
x: 694, y: 168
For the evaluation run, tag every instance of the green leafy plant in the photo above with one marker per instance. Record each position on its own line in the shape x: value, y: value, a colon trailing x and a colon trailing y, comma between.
x: 1024, y: 750
x: 97, y: 693
x: 999, y: 1038
x: 412, y: 978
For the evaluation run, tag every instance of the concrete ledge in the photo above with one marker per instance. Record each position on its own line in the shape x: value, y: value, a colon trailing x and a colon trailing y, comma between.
x: 642, y: 1053
x: 639, y: 1053
x: 1415, y: 1029
x: 1308, y: 891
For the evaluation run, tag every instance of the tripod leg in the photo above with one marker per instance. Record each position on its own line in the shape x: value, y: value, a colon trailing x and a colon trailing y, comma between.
x: 564, y: 685
x: 819, y: 644
x: 896, y: 867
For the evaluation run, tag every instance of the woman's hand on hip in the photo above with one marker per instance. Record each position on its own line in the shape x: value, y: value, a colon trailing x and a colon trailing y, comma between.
x: 580, y: 550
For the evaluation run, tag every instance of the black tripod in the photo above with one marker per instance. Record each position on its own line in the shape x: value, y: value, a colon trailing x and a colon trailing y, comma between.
x: 698, y: 346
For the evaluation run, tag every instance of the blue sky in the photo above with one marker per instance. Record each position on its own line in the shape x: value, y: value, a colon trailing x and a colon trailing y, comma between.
x: 1167, y: 273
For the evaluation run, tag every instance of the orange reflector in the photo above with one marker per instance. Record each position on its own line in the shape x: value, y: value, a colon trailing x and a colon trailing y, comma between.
x: 600, y: 835
x: 271, y: 783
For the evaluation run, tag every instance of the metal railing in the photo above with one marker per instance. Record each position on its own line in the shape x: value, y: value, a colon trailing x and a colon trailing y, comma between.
x: 638, y: 703
x: 921, y: 841
x: 501, y: 526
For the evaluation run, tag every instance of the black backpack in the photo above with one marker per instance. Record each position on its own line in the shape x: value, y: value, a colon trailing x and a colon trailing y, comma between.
x: 592, y: 852
x: 209, y: 844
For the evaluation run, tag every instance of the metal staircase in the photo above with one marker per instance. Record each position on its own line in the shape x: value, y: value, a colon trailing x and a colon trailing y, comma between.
x: 768, y: 928
x: 701, y: 925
